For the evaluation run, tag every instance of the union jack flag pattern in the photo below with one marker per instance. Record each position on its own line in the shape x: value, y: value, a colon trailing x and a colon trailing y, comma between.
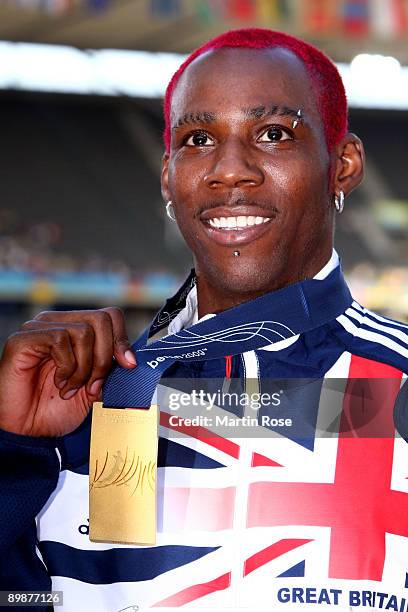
x: 262, y: 522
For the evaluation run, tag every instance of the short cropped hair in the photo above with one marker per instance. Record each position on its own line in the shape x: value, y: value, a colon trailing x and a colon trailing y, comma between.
x: 326, y: 80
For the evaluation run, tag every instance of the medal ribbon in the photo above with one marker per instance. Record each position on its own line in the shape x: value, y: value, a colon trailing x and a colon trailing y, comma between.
x: 273, y: 317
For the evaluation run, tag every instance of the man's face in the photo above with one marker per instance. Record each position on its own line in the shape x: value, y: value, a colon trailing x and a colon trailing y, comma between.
x: 242, y: 178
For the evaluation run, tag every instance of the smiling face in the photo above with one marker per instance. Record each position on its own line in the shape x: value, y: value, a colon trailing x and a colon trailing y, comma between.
x: 242, y: 178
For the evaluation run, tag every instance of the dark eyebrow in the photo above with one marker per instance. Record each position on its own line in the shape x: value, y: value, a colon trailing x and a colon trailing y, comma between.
x: 196, y: 117
x: 258, y: 112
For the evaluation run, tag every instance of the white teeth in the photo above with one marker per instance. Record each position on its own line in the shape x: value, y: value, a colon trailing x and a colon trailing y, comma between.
x: 237, y: 223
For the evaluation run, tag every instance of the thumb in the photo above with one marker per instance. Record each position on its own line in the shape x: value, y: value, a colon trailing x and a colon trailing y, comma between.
x: 122, y: 349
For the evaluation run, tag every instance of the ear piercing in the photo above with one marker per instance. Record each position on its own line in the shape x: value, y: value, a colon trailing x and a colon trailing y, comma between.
x: 298, y: 118
x: 170, y: 210
x: 339, y: 201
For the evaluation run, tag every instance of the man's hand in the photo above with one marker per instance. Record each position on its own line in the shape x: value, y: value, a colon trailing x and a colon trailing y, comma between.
x: 52, y: 370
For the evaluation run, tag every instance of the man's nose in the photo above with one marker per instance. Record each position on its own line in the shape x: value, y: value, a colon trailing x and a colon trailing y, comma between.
x: 233, y: 166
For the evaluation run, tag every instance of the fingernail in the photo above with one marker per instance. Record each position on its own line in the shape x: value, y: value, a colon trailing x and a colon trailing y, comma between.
x: 96, y: 386
x: 62, y: 384
x: 69, y: 394
x: 129, y: 356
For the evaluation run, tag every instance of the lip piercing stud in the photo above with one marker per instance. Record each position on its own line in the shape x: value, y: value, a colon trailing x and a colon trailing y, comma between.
x: 298, y: 118
x: 236, y: 253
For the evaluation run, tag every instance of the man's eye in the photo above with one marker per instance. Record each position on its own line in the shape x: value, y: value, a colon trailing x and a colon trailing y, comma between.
x: 199, y: 139
x: 274, y: 134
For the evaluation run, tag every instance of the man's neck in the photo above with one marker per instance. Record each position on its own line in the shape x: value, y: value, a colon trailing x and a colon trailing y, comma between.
x: 189, y: 314
x: 215, y: 298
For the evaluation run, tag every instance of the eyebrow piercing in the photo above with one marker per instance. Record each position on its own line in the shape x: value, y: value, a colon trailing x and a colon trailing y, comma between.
x: 298, y: 118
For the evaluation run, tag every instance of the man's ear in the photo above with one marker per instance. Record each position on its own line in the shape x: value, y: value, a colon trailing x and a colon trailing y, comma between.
x: 165, y: 178
x: 350, y: 161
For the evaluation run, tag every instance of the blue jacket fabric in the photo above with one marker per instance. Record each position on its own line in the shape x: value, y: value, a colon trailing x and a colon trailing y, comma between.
x: 34, y: 471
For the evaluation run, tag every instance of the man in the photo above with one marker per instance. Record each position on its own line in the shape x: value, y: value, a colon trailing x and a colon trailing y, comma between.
x: 258, y: 162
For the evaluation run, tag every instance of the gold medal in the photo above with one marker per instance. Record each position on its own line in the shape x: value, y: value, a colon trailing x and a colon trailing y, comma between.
x: 122, y: 475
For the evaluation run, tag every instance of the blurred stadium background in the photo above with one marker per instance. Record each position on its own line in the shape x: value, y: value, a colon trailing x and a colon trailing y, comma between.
x: 82, y: 222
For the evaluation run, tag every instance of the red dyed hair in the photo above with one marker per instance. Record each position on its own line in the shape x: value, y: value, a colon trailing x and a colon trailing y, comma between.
x: 331, y: 96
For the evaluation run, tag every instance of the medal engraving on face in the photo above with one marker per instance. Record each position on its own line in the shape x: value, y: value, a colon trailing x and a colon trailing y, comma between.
x: 122, y: 475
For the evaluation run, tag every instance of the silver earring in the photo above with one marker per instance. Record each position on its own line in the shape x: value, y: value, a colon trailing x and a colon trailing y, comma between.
x: 339, y: 201
x: 170, y: 210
